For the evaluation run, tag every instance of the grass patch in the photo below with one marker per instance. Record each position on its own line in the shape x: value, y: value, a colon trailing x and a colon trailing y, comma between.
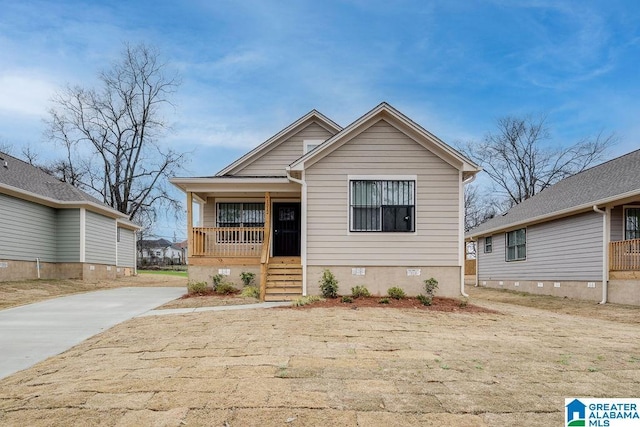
x: 164, y: 272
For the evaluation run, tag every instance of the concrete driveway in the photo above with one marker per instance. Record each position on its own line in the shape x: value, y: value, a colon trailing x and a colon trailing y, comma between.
x: 34, y: 332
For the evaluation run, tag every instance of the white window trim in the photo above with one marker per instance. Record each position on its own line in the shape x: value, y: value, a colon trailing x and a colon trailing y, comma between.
x: 506, y: 245
x: 624, y: 219
x: 308, y: 142
x: 485, y: 245
x: 413, y: 178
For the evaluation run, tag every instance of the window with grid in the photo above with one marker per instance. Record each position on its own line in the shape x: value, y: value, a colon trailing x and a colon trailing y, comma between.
x: 517, y: 245
x: 632, y: 223
x: 488, y: 244
x: 383, y: 206
x: 240, y: 215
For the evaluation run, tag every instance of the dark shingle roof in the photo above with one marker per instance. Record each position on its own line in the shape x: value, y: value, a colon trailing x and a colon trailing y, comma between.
x: 29, y: 178
x: 592, y: 186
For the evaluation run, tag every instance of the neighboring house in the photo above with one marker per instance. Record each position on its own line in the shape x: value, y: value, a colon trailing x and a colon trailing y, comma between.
x: 379, y: 203
x: 52, y: 230
x: 579, y: 238
x: 159, y: 252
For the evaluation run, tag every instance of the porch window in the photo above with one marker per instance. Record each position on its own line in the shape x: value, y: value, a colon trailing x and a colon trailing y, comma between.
x: 632, y: 223
x: 249, y: 216
x: 383, y: 206
x: 516, y: 245
x: 488, y: 244
x: 240, y: 215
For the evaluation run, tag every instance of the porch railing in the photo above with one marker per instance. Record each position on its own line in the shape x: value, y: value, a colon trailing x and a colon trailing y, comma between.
x: 227, y: 241
x: 624, y: 255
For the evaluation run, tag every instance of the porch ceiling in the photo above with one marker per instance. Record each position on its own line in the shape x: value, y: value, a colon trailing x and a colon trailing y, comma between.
x: 243, y: 186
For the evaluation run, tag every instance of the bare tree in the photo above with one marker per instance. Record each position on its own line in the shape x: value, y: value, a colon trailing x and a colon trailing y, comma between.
x: 5, y: 147
x: 111, y: 135
x: 520, y: 161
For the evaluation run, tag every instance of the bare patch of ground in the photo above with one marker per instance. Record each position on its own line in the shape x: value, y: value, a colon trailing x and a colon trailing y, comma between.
x: 26, y: 292
x: 331, y: 366
x: 574, y: 307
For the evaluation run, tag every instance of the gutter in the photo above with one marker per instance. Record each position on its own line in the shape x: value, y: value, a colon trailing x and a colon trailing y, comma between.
x: 303, y: 224
x: 605, y: 250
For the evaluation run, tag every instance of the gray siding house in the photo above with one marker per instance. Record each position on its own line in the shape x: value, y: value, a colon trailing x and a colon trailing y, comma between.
x: 379, y: 203
x: 579, y: 238
x: 52, y: 230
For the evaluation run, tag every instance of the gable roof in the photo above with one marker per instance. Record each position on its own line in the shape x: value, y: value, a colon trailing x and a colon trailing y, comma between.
x: 280, y: 137
x: 21, y: 179
x: 384, y: 111
x: 610, y: 181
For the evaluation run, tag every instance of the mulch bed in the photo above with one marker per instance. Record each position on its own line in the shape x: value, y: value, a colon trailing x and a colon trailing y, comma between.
x: 439, y: 304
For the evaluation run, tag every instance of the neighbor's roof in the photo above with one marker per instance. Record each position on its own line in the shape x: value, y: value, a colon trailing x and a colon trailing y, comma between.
x: 19, y: 178
x: 610, y: 181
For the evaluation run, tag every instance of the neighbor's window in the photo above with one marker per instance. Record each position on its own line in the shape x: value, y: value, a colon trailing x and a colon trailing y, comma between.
x: 488, y: 244
x: 240, y: 215
x: 387, y: 206
x: 632, y: 223
x: 517, y: 245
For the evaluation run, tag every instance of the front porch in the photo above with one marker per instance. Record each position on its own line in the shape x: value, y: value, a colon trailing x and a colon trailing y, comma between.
x: 239, y: 233
x: 624, y: 259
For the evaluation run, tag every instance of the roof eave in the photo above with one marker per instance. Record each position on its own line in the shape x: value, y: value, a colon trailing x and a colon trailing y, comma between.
x: 555, y: 215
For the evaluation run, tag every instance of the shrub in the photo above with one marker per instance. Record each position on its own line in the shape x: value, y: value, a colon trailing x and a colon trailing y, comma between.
x: 360, y: 291
x: 347, y: 299
x: 430, y: 286
x: 328, y: 285
x: 250, y: 292
x: 384, y: 301
x: 197, y: 287
x: 464, y: 303
x: 216, y: 279
x: 225, y: 288
x: 310, y: 299
x: 247, y: 278
x: 425, y: 300
x: 396, y: 293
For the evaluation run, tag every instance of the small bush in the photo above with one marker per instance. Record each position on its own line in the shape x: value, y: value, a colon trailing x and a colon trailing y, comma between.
x: 310, y: 299
x: 247, y: 278
x: 396, y: 293
x: 425, y: 300
x: 360, y: 291
x: 347, y: 299
x: 384, y: 301
x: 225, y: 288
x: 464, y: 303
x: 250, y: 292
x: 216, y: 279
x: 328, y: 285
x: 197, y: 287
x: 430, y: 286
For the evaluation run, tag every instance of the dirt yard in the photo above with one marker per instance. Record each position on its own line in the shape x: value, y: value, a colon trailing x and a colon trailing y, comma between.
x: 333, y: 366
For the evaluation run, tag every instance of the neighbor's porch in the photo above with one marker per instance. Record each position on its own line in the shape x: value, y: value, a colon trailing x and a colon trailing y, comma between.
x: 624, y: 259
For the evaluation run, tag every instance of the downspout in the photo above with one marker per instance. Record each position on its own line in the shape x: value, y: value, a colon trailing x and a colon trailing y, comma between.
x: 303, y: 232
x: 463, y: 249
x: 605, y: 251
x: 38, y: 266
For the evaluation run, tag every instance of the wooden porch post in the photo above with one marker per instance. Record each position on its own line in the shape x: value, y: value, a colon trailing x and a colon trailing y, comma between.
x: 190, y: 223
x: 266, y: 244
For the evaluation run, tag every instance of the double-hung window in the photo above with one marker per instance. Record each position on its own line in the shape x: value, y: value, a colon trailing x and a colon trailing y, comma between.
x: 517, y: 245
x: 382, y: 206
x: 632, y: 223
x: 488, y: 244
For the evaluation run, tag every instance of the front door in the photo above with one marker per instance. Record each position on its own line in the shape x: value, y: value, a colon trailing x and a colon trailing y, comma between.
x: 286, y: 229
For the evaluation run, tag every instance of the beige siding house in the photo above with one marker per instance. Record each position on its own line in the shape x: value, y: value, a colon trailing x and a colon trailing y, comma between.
x: 579, y: 238
x: 379, y: 203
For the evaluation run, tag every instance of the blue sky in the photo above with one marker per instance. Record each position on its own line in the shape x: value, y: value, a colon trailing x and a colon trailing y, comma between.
x: 249, y: 68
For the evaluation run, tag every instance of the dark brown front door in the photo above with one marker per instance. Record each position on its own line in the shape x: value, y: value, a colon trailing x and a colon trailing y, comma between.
x: 286, y: 229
